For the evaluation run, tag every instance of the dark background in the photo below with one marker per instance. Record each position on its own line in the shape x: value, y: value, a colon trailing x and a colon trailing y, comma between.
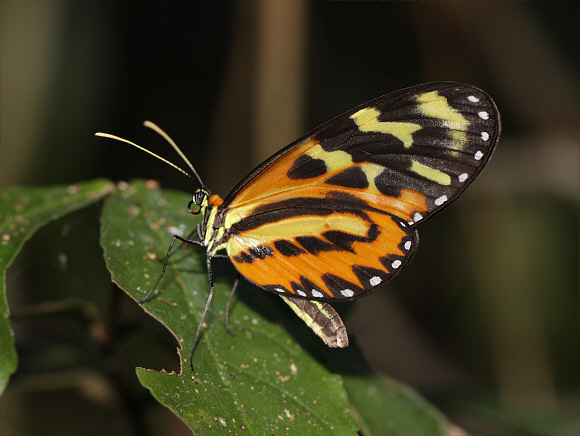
x: 484, y: 322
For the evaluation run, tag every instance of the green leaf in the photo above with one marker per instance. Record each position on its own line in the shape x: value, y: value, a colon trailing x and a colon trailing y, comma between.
x: 22, y: 212
x: 259, y: 382
x: 383, y: 406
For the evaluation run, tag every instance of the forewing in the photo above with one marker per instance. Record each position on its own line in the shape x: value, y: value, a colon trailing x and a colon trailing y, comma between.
x: 410, y: 153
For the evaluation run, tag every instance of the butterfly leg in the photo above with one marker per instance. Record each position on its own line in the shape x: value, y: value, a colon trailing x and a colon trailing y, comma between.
x: 200, y: 325
x: 165, y: 262
x: 229, y: 303
x: 188, y: 240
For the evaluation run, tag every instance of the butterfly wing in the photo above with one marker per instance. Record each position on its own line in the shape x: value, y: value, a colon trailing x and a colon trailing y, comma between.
x: 326, y: 248
x: 332, y: 216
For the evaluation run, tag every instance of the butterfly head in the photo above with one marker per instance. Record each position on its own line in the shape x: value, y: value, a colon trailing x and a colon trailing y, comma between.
x: 198, y: 202
x: 207, y: 205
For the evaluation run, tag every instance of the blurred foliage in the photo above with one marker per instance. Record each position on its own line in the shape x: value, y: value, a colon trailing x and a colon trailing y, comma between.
x: 22, y: 212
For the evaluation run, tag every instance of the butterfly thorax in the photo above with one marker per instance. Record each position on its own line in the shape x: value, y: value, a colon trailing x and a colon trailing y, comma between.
x: 213, y: 231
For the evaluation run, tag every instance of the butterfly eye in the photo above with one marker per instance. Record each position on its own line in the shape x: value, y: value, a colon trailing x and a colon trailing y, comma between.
x: 199, y: 196
x: 193, y: 207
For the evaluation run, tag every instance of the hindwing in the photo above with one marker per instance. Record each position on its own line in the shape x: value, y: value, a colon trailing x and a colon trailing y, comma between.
x: 331, y: 248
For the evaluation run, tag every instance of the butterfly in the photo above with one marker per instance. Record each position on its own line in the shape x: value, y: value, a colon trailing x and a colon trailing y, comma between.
x: 333, y: 216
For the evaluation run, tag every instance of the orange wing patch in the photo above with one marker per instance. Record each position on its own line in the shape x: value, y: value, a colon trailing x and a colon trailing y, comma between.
x: 338, y: 256
x: 318, y: 180
x: 258, y: 190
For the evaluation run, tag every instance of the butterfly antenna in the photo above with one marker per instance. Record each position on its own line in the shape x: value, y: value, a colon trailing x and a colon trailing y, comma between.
x: 158, y: 129
x: 108, y: 135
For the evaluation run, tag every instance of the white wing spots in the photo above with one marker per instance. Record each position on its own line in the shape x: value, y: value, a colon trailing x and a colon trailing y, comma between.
x: 397, y: 263
x: 478, y: 155
x: 346, y: 292
x: 483, y: 115
x: 439, y: 201
x: 280, y: 290
x: 417, y: 217
x: 473, y: 99
x: 301, y: 293
x: 463, y: 177
x: 316, y: 294
x: 374, y: 281
x: 407, y: 245
x: 484, y: 136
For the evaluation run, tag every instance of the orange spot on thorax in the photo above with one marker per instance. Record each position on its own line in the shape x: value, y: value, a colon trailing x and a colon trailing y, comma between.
x: 215, y: 200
